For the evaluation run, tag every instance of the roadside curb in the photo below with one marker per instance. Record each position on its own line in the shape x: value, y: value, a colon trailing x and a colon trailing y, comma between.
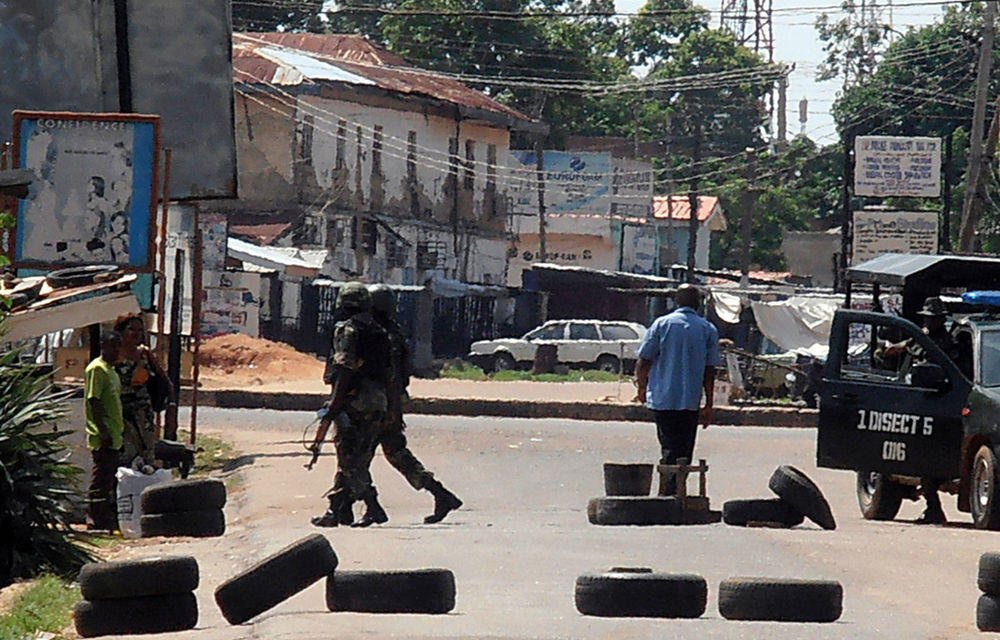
x: 788, y: 417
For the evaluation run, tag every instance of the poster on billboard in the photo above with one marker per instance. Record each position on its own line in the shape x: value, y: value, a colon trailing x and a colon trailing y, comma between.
x: 575, y: 183
x: 94, y: 193
x: 897, y: 166
x: 878, y: 232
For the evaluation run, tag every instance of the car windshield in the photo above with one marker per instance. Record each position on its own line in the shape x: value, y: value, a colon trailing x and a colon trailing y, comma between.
x: 990, y: 359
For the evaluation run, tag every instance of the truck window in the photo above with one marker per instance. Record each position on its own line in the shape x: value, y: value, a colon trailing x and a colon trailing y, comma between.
x: 990, y: 358
x: 871, y: 358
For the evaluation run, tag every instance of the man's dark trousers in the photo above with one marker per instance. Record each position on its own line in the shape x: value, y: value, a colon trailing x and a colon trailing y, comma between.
x: 676, y: 431
x: 103, y: 486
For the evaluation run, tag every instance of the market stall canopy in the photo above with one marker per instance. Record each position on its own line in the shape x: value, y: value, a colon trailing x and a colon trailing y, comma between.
x: 921, y: 276
x: 72, y: 307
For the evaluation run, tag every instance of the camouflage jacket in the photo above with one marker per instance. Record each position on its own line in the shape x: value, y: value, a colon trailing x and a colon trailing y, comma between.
x: 361, y: 346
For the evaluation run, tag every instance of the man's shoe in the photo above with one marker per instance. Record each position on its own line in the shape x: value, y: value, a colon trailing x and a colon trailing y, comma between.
x: 374, y: 513
x: 931, y: 517
x: 444, y: 502
x: 346, y: 512
x: 328, y: 519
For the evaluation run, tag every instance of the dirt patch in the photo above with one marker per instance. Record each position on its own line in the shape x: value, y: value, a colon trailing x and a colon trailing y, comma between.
x: 241, y: 361
x: 10, y: 593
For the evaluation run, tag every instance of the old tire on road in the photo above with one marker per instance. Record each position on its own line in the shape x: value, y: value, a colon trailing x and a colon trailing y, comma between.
x: 185, y: 495
x: 641, y: 511
x: 740, y: 513
x: 275, y: 578
x: 156, y: 576
x: 984, y: 498
x: 793, y: 486
x: 781, y: 600
x: 415, y: 591
x: 988, y: 613
x: 879, y: 498
x: 204, y: 523
x: 988, y: 579
x: 641, y: 595
x: 126, y: 616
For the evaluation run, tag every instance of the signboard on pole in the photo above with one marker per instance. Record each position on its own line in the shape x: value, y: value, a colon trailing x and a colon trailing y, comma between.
x: 93, y: 197
x: 897, y: 166
x: 878, y: 232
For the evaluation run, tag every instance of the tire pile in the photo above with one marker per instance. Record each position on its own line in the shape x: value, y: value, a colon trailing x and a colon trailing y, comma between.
x: 152, y: 595
x: 299, y: 565
x: 798, y: 498
x: 185, y: 508
x: 988, y: 607
x: 627, y: 501
x: 639, y: 592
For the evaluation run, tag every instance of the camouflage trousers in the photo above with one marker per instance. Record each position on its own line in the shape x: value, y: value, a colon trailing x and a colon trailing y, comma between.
x: 352, y: 438
x: 389, y: 435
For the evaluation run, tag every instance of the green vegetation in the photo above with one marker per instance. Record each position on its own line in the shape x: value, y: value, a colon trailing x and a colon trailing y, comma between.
x: 470, y: 372
x: 46, y: 605
x: 38, y: 488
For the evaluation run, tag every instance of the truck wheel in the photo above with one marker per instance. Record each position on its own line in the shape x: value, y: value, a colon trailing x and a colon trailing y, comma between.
x: 503, y: 361
x: 985, y: 498
x: 878, y: 497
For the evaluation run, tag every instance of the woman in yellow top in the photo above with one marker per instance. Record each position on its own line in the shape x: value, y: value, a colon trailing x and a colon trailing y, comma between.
x: 136, y: 363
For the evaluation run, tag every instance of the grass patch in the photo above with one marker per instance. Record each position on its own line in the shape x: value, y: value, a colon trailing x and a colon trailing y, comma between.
x: 47, y: 605
x: 470, y: 372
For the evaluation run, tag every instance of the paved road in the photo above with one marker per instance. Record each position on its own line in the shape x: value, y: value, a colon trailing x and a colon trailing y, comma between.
x: 518, y: 546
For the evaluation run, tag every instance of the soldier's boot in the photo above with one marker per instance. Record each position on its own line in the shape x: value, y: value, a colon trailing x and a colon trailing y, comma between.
x: 346, y: 511
x: 444, y: 502
x: 374, y: 513
x: 332, y: 517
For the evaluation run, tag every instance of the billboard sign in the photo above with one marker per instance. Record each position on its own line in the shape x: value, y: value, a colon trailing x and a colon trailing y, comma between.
x: 897, y: 166
x: 575, y: 183
x: 878, y: 232
x: 93, y: 197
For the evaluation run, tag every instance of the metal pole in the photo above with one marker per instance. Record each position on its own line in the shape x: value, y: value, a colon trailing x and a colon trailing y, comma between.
x: 161, y: 301
x: 949, y: 171
x: 540, y: 177
x: 196, y: 293
x: 746, y: 226
x: 693, y: 203
x: 174, y: 354
x: 845, y: 208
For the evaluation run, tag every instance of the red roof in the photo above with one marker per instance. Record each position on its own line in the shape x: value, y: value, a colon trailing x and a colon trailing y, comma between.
x: 354, y: 55
x: 680, y: 207
x: 261, y: 234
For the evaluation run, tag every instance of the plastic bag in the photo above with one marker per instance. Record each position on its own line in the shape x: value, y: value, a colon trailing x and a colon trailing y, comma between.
x: 130, y: 486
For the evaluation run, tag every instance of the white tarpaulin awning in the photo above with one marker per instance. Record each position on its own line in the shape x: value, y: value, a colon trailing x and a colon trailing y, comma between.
x: 727, y: 306
x: 798, y: 324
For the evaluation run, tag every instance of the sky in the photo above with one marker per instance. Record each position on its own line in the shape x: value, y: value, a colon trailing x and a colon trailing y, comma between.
x: 796, y: 41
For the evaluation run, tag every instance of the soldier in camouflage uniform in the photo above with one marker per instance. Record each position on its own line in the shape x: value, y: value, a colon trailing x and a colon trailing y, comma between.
x: 356, y: 367
x: 389, y: 434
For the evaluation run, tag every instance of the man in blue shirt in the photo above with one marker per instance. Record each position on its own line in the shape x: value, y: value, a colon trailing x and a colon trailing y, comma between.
x: 676, y: 362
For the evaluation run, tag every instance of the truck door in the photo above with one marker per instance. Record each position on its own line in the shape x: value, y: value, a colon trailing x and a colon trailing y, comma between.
x: 881, y: 413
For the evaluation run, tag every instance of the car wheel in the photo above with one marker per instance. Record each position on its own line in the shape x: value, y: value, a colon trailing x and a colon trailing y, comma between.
x: 878, y: 497
x: 503, y: 361
x: 610, y: 364
x: 985, y: 501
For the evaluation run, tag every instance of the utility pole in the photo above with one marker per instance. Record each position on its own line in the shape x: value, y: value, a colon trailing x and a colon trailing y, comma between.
x: 970, y: 213
x: 782, y: 117
x: 749, y: 206
x: 670, y: 200
x: 693, y: 202
x: 845, y: 209
x: 949, y: 173
x: 540, y: 178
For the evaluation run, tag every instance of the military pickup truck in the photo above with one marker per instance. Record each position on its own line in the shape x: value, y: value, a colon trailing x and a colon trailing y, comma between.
x: 895, y: 420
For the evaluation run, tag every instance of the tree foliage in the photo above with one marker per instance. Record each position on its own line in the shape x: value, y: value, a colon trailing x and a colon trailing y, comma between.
x: 275, y: 15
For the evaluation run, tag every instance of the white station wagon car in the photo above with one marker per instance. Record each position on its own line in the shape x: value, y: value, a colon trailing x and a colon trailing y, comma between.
x: 604, y: 344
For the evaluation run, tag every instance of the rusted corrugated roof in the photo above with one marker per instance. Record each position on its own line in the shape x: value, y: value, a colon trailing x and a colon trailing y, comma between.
x: 267, y: 58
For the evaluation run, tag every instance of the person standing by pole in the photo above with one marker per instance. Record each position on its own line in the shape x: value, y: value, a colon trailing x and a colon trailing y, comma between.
x: 675, y: 364
x: 358, y: 371
x: 390, y: 433
x: 103, y: 410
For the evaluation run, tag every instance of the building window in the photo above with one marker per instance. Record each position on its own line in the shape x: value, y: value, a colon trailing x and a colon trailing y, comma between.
x: 411, y: 156
x: 341, y: 142
x: 369, y: 236
x: 491, y: 180
x: 470, y: 165
x: 377, y: 150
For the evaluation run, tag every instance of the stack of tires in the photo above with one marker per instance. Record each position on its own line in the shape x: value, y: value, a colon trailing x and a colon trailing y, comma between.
x: 627, y: 500
x: 152, y: 595
x: 184, y: 508
x: 798, y: 498
x: 988, y: 607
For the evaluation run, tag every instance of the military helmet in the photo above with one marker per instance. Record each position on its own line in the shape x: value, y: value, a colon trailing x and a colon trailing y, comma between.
x: 383, y: 298
x: 354, y: 295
